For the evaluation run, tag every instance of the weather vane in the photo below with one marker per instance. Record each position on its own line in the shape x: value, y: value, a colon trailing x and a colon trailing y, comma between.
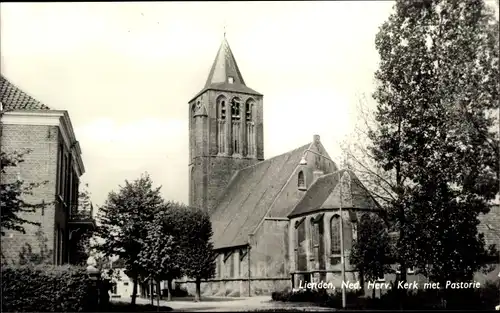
x: 224, y: 29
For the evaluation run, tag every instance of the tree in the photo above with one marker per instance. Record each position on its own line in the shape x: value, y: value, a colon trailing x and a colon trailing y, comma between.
x: 42, y: 256
x: 437, y: 88
x: 161, y: 254
x: 123, y: 223
x: 83, y: 245
x: 198, y: 250
x: 371, y: 253
x: 12, y: 195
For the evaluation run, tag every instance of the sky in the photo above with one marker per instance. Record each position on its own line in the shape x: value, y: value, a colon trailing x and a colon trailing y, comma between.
x: 125, y: 72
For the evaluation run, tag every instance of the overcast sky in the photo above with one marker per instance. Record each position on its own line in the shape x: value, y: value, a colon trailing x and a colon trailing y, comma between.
x: 125, y: 71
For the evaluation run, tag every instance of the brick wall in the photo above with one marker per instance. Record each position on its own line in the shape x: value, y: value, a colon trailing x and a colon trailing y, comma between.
x: 39, y: 165
x: 210, y: 173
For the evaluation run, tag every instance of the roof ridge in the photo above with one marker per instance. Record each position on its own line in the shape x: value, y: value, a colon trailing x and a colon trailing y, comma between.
x: 276, y: 156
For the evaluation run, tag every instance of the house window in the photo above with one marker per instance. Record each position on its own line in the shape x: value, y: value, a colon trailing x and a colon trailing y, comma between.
x: 60, y: 170
x: 335, y: 234
x: 301, y: 181
x: 230, y: 79
x: 125, y: 284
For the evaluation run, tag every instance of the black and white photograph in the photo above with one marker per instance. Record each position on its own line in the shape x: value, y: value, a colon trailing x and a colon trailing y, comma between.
x: 241, y: 156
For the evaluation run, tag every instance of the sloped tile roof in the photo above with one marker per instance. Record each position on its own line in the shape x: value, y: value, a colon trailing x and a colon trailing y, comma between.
x: 13, y: 98
x: 324, y: 193
x: 248, y: 197
x: 490, y: 226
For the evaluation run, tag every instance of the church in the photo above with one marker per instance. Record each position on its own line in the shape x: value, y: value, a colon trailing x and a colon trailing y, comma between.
x: 275, y: 221
x: 278, y: 221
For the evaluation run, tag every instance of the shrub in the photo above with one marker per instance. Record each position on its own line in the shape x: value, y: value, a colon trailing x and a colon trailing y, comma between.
x: 320, y: 297
x: 46, y: 288
x: 484, y: 298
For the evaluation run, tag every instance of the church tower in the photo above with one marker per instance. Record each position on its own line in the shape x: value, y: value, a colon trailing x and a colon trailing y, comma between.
x: 225, y: 130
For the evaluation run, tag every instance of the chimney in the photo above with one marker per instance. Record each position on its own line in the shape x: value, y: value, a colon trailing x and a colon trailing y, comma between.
x: 316, y: 138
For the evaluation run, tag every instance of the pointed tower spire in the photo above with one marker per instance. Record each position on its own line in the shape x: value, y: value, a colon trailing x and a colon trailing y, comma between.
x: 225, y: 74
x: 225, y: 69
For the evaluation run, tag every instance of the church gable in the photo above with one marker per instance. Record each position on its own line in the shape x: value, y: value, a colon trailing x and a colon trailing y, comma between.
x: 315, y: 163
x: 249, y: 196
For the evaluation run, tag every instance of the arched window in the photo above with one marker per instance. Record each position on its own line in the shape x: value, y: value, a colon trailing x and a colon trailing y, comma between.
x: 301, y: 183
x: 318, y: 247
x: 314, y: 232
x: 235, y: 118
x: 249, y: 110
x: 250, y: 127
x: 221, y: 124
x: 301, y: 246
x: 347, y: 234
x: 335, y: 234
x: 235, y: 109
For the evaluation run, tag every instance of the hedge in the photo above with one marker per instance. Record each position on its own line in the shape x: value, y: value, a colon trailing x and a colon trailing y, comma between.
x: 320, y: 297
x: 484, y: 298
x: 46, y: 288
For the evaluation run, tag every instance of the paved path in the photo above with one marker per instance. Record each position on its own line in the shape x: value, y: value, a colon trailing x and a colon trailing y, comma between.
x: 212, y: 304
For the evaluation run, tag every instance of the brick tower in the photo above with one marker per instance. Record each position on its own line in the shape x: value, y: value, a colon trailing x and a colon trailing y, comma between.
x: 225, y: 130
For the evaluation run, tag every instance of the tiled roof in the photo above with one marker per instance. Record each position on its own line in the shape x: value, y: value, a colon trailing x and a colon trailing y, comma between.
x: 13, y: 98
x: 490, y: 225
x: 248, y: 197
x: 324, y: 193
